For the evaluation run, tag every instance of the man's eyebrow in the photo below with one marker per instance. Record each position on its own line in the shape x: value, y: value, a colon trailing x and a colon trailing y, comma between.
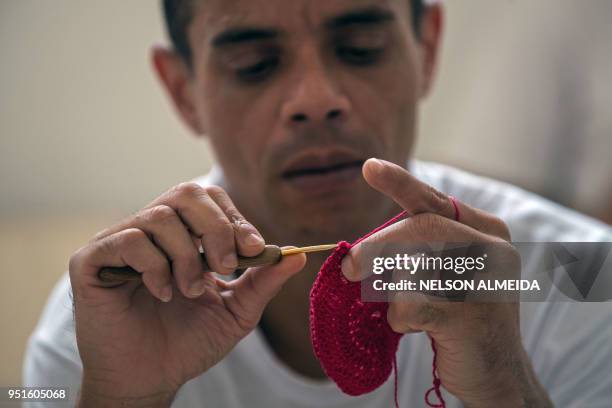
x: 369, y: 15
x: 243, y: 34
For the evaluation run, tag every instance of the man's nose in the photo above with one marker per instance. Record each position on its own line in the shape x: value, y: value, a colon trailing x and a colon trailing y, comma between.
x: 315, y: 98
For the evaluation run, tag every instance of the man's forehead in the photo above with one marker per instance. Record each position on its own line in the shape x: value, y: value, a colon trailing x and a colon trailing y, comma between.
x: 213, y: 16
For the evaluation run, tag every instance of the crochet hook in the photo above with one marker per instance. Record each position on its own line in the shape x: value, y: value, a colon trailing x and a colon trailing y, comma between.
x: 270, y: 255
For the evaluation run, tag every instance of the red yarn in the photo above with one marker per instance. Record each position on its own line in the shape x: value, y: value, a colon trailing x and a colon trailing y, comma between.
x: 436, y: 382
x: 453, y: 200
x: 352, y: 339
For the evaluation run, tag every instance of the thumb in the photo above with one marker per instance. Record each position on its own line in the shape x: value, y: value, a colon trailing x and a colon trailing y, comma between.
x: 256, y: 286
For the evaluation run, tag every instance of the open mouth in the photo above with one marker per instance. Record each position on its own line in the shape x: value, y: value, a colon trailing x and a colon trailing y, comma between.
x: 322, y: 170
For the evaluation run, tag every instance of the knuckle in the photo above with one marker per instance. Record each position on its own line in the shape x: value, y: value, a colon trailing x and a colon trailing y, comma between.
x: 435, y: 200
x: 224, y: 227
x: 187, y: 190
x: 226, y: 203
x: 99, y: 235
x: 427, y: 222
x: 214, y: 191
x: 109, y: 244
x: 235, y: 217
x: 219, y: 238
x: 396, y: 324
x: 76, y: 260
x: 128, y: 238
x: 161, y: 214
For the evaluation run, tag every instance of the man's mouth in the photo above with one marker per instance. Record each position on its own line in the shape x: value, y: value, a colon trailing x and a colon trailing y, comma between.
x: 322, y: 172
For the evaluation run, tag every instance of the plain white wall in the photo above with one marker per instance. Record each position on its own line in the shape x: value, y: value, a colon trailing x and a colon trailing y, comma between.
x: 84, y: 125
x: 524, y: 94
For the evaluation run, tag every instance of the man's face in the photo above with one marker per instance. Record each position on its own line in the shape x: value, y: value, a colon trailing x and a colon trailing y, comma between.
x: 296, y: 95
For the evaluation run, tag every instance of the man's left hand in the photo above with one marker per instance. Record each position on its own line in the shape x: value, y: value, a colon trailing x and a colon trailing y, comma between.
x: 480, y: 355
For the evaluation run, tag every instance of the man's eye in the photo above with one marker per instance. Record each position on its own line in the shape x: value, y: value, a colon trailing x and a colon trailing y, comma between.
x: 259, y: 70
x: 359, y: 55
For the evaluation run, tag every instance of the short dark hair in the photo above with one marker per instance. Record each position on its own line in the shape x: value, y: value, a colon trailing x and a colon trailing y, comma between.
x: 178, y: 15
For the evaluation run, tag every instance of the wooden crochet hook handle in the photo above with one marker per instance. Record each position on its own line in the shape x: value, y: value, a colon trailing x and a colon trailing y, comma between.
x: 270, y: 255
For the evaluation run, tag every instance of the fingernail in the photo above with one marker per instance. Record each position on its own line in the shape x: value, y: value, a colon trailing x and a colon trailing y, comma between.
x: 230, y: 261
x: 347, y: 268
x: 375, y: 165
x: 166, y: 294
x: 253, y: 239
x: 197, y: 288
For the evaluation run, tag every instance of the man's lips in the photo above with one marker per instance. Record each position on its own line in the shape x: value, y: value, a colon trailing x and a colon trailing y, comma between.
x: 322, y: 170
x: 320, y: 161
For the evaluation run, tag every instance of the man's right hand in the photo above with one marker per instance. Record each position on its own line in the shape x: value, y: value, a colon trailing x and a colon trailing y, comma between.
x: 140, y: 341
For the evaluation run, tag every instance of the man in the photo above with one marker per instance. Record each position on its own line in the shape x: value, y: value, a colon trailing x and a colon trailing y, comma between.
x: 295, y: 96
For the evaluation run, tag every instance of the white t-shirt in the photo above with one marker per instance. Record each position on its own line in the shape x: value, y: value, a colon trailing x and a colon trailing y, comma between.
x: 569, y: 343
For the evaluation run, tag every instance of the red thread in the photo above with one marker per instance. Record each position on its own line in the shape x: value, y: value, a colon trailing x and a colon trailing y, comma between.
x: 352, y: 339
x: 454, y: 201
x: 385, y: 225
x: 436, y: 381
x: 395, y: 381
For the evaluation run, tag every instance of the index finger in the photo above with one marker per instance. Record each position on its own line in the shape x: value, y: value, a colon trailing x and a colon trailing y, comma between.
x: 203, y: 218
x: 418, y: 197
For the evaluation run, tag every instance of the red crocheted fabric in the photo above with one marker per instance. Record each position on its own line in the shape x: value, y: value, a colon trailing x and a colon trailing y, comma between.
x: 352, y: 339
